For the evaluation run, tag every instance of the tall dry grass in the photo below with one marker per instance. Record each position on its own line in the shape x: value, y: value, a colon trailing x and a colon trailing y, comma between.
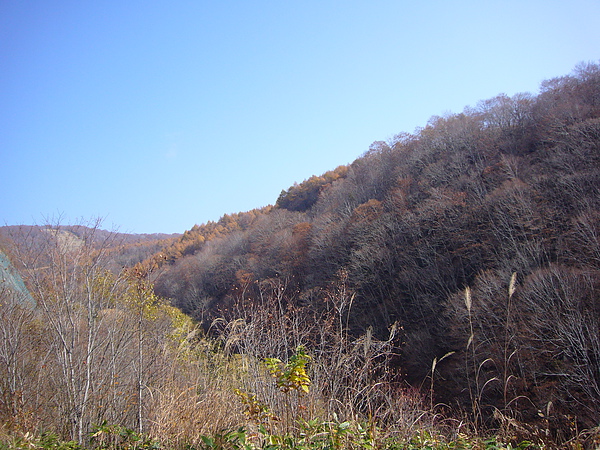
x: 352, y: 378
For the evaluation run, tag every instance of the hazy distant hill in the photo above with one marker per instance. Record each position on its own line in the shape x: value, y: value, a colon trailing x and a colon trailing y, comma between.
x: 127, y: 249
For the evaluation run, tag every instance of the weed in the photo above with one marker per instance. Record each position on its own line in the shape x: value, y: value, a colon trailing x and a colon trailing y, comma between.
x: 46, y: 441
x: 113, y: 437
x: 292, y: 375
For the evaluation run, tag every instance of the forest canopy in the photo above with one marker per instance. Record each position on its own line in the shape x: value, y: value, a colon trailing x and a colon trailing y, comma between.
x: 508, y: 186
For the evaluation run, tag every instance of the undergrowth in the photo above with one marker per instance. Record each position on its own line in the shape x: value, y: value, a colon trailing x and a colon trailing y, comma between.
x: 263, y: 429
x: 315, y: 434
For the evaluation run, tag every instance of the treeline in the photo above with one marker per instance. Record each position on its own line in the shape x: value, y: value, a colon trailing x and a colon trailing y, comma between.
x: 85, y: 344
x: 126, y: 250
x: 301, y: 197
x: 193, y: 240
x: 476, y: 237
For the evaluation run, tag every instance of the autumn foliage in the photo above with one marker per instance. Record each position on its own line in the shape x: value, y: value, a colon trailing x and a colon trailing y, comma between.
x: 452, y: 274
x: 510, y: 185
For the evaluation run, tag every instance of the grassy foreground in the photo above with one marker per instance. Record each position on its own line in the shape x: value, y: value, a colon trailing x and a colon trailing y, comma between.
x: 284, y: 422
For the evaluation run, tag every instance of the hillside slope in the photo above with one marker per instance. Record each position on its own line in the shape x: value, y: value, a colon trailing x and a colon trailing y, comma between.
x: 11, y: 282
x: 477, y: 235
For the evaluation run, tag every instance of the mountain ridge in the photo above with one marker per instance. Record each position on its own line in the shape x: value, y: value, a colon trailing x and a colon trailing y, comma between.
x: 510, y: 186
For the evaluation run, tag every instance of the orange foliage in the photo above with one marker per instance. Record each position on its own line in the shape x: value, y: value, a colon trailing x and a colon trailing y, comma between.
x: 368, y: 211
x: 301, y: 197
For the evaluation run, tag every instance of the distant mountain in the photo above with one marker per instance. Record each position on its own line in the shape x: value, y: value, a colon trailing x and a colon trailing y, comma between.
x: 126, y: 249
x: 17, y: 232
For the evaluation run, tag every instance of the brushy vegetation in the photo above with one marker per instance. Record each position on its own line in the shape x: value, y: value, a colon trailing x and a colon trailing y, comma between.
x: 508, y: 186
x: 440, y: 292
x: 220, y: 391
x: 265, y: 430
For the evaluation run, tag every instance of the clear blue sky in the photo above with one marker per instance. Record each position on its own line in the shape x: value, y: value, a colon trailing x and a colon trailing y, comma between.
x: 157, y: 115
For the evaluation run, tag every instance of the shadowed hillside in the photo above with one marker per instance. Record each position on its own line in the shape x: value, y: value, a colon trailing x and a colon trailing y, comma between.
x: 509, y: 189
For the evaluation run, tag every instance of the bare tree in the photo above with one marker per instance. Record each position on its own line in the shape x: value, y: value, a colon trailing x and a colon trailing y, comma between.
x: 65, y: 276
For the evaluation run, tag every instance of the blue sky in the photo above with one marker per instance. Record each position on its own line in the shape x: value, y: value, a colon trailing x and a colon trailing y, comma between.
x: 157, y: 115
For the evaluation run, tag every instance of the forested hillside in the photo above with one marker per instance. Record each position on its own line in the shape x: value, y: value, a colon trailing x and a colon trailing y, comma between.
x: 475, y: 237
x: 442, y: 291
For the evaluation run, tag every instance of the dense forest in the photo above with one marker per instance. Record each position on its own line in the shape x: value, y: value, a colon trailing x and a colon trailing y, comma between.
x: 453, y: 272
x: 508, y: 187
